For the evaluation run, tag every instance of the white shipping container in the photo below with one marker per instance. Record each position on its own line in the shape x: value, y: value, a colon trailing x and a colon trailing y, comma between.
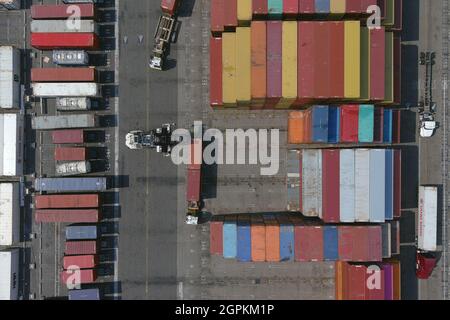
x: 64, y: 122
x: 73, y: 168
x: 347, y: 186
x: 58, y: 89
x: 9, y: 274
x: 9, y: 214
x: 377, y: 185
x: 64, y: 26
x: 428, y: 206
x: 11, y: 145
x: 312, y: 183
x: 73, y: 104
x: 10, y: 4
x: 362, y: 183
x: 9, y: 77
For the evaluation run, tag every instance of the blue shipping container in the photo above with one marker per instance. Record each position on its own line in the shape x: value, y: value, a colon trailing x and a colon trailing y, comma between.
x: 389, y: 185
x: 387, y: 126
x: 81, y: 233
x: 320, y: 124
x: 334, y: 121
x: 87, y: 294
x: 286, y: 241
x: 244, y: 241
x: 71, y: 184
x: 322, y: 6
x: 230, y: 239
x: 366, y: 122
x: 330, y: 243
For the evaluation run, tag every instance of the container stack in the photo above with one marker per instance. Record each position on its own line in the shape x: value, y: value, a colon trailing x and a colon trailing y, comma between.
x: 345, y: 124
x: 345, y: 185
x: 283, y: 238
x: 381, y: 281
x: 272, y: 63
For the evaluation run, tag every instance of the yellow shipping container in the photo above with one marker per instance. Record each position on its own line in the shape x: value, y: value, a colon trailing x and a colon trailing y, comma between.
x: 289, y: 64
x: 365, y: 64
x: 352, y: 60
x: 389, y: 71
x: 243, y: 65
x: 244, y: 11
x: 229, y: 68
x: 337, y: 7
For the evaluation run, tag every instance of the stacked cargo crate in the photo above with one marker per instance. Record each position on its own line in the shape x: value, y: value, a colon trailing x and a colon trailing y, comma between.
x: 272, y: 63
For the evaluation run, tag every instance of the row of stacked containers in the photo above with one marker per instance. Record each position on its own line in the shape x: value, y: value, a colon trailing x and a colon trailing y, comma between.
x: 345, y: 185
x: 285, y: 237
x: 345, y: 124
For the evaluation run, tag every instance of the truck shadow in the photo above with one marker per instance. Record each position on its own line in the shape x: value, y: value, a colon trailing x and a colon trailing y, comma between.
x: 186, y: 8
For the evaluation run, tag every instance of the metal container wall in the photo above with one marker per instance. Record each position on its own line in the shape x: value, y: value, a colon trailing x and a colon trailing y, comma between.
x: 87, y: 11
x: 193, y: 188
x: 321, y: 60
x: 63, y: 75
x: 306, y: 56
x: 258, y: 63
x: 330, y: 243
x: 275, y: 9
x: 308, y: 243
x: 320, y: 116
x: 229, y: 68
x: 378, y: 125
x: 272, y: 238
x: 289, y: 64
x: 243, y: 65
x: 48, y: 41
x: 377, y: 185
x: 244, y: 243
x: 258, y: 236
x: 85, y: 276
x: 352, y: 73
x: 230, y: 13
x: 362, y: 185
x: 397, y: 183
x: 81, y: 247
x: 387, y: 126
x: 217, y: 16
x: 71, y: 154
x: 67, y: 216
x: 366, y: 123
x: 389, y: 185
x: 230, y: 237
x: 81, y: 262
x: 216, y: 238
x: 260, y: 8
x: 286, y: 239
x: 330, y: 186
x: 377, y: 61
x: 274, y: 63
x: 215, y: 79
x: 70, y: 184
x: 82, y: 232
x: 66, y: 201
x: 347, y: 186
x: 334, y: 124
x: 290, y: 8
x: 62, y: 26
x: 349, y: 123
x: 68, y: 137
x: 337, y: 60
x: 312, y: 183
x: 296, y: 127
x: 307, y: 6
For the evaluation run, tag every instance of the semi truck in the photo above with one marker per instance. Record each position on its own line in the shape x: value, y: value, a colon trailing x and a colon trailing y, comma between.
x: 193, y: 184
x: 75, y: 104
x: 427, y: 247
x: 73, y: 168
x: 159, y: 139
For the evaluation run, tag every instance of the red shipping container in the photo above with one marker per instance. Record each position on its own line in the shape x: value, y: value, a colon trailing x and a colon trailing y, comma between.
x: 169, y: 6
x: 337, y: 35
x: 308, y: 124
x: 81, y: 262
x: 377, y: 61
x: 260, y: 7
x: 81, y: 247
x: 397, y: 183
x: 215, y: 80
x: 290, y: 7
x: 345, y: 235
x: 68, y: 136
x: 60, y: 201
x: 196, y: 154
x: 356, y: 277
x: 349, y: 123
x: 397, y: 70
x: 300, y: 181
x: 375, y: 253
x: 396, y: 126
x: 216, y: 238
x: 398, y: 15
x: 71, y: 154
x: 48, y: 41
x: 378, y: 133
x: 308, y: 243
x: 374, y: 283
x: 217, y: 15
x: 78, y: 277
x: 382, y: 5
x: 306, y: 6
x: 230, y: 13
x: 353, y: 6
x: 330, y: 186
x: 63, y: 75
x: 87, y: 11
x: 361, y: 244
x: 274, y: 63
x: 306, y: 55
x: 193, y: 185
x: 67, y: 216
x: 322, y: 60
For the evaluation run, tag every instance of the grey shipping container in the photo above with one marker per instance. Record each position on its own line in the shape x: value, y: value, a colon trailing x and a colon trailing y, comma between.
x: 312, y: 183
x: 347, y: 186
x: 377, y: 182
x: 86, y: 294
x: 70, y: 184
x: 64, y: 122
x: 81, y: 232
x: 386, y: 240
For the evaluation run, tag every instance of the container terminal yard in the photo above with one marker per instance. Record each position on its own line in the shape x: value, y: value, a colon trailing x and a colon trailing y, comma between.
x: 350, y: 184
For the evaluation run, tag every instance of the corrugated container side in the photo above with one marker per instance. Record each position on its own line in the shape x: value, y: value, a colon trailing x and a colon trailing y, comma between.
x: 349, y: 123
x: 275, y: 9
x: 215, y: 79
x: 366, y: 123
x: 296, y: 123
x: 347, y: 186
x: 229, y: 68
x: 361, y: 244
x: 378, y: 125
x: 63, y: 75
x: 377, y: 185
x: 86, y: 10
x: 289, y: 63
x: 337, y: 63
x: 389, y: 178
x: 352, y: 60
x: 311, y: 183
x: 397, y: 183
x: 66, y: 201
x: 397, y: 280
x: 330, y: 186
x: 396, y: 126
x: 193, y: 189
x: 322, y: 60
x: 375, y: 244
x: 243, y: 65
x: 286, y: 239
x: 258, y: 236
x: 290, y: 8
x: 345, y: 236
x: 259, y: 63
x: 81, y: 247
x: 216, y: 238
x: 362, y: 183
x: 244, y: 11
x: 272, y: 240
x: 307, y: 7
x: 337, y: 8
x: 68, y: 136
x: 70, y: 154
x: 357, y: 282
x: 387, y: 125
x: 320, y: 117
x: 389, y: 70
x: 274, y: 63
x: 259, y: 7
x: 217, y: 15
x: 67, y: 216
x: 306, y: 57
x: 47, y: 41
x: 230, y: 237
x: 322, y: 6
x: 388, y: 281
x: 309, y: 241
x: 377, y: 61
x: 330, y: 243
x: 230, y: 13
x: 244, y: 244
x: 334, y: 128
x: 82, y: 262
x: 365, y: 64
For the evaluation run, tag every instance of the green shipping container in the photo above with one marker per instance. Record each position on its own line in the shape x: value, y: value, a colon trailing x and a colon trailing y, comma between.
x: 275, y: 9
x: 365, y: 63
x: 366, y: 123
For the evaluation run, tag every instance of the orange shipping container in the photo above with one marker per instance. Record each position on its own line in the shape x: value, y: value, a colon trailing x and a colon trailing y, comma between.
x: 259, y: 64
x: 258, y: 236
x: 339, y: 280
x: 397, y: 281
x: 272, y: 240
x: 296, y: 127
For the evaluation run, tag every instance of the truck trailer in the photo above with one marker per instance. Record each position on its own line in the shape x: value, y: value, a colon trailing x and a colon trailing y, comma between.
x: 64, y: 122
x: 67, y: 201
x: 90, y: 184
x: 67, y: 215
x: 73, y: 168
x: 65, y: 89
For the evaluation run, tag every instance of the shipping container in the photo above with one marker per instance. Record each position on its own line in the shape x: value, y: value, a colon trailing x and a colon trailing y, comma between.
x: 330, y: 186
x: 330, y: 243
x: 244, y: 11
x: 389, y: 68
x: 70, y: 277
x: 357, y: 282
x: 170, y: 6
x: 85, y: 294
x: 10, y: 66
x: 309, y: 244
x: 65, y: 89
x: 63, y: 75
x: 67, y: 216
x: 296, y: 127
x: 427, y: 218
x: 243, y: 65
x: 86, y: 11
x: 274, y: 62
x: 68, y: 137
x: 229, y: 68
x: 258, y: 237
x: 334, y: 124
x: 322, y: 7
x: 73, y: 248
x: 362, y: 185
x: 275, y: 9
x: 337, y: 8
x: 9, y: 214
x: 347, y: 186
x: 290, y: 9
x: 75, y: 104
x: 387, y: 125
x: 215, y: 79
x: 49, y: 41
x: 397, y: 280
x: 388, y: 270
x: 322, y: 66
x: 11, y: 144
x: 259, y: 8
x: 366, y: 123
x: 217, y: 16
x: 80, y: 262
x: 352, y: 60
x: 336, y: 60
x: 63, y: 26
x: 70, y: 57
x: 389, y: 185
x: 230, y: 237
x: 71, y: 154
x: 377, y: 185
x: 289, y: 63
x: 377, y: 61
x: 244, y: 243
x: 307, y: 7
x: 395, y: 237
x: 68, y: 201
x: 360, y: 244
x: 320, y: 117
x: 272, y: 238
x: 286, y: 239
x: 193, y: 188
x: 216, y: 238
x: 80, y: 232
x: 258, y: 63
x: 378, y: 125
x: 70, y: 184
x: 349, y: 123
x: 64, y: 121
x: 293, y: 194
x: 9, y: 274
x: 397, y: 183
x: 311, y: 190
x: 230, y: 13
x: 306, y: 56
